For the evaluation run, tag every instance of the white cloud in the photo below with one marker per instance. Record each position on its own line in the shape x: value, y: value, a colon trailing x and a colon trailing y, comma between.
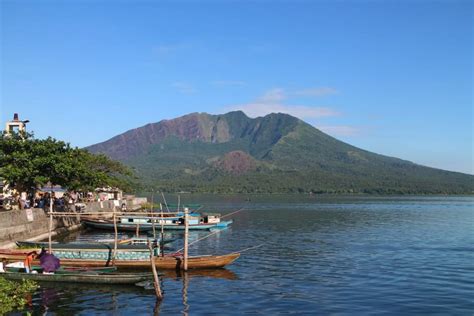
x: 273, y: 96
x: 300, y: 111
x: 184, y: 87
x: 228, y: 83
x: 316, y: 92
x: 272, y: 102
x: 340, y: 130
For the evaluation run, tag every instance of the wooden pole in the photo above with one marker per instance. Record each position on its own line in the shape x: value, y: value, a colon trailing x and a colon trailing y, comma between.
x: 162, y: 240
x: 156, y: 282
x: 179, y: 202
x: 138, y: 230
x: 153, y: 218
x: 186, y: 233
x: 115, y: 237
x: 119, y: 214
x: 166, y: 203
x: 50, y: 232
x: 50, y: 221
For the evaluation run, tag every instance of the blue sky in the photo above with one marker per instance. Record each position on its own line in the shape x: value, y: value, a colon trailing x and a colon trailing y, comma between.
x: 393, y: 77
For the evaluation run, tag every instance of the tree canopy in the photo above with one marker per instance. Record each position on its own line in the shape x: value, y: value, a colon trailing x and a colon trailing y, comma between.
x: 27, y: 163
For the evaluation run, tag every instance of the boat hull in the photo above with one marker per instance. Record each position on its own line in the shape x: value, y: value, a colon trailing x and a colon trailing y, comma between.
x: 166, y: 262
x: 68, y: 270
x: 78, y: 246
x: 119, y: 278
x: 145, y: 227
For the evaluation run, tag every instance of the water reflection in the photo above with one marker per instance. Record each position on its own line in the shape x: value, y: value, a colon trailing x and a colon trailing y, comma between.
x: 185, y: 293
x: 211, y: 273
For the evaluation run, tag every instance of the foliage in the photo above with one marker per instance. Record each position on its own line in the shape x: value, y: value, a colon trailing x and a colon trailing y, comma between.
x: 13, y: 295
x: 27, y: 163
x: 298, y: 164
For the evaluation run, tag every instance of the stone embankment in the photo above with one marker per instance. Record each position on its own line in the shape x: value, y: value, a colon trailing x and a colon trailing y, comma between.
x: 33, y: 224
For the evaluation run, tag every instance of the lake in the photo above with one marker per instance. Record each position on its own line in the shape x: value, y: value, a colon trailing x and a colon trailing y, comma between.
x: 317, y: 255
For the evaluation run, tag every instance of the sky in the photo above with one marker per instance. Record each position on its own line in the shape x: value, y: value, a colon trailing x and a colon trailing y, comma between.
x: 392, y: 77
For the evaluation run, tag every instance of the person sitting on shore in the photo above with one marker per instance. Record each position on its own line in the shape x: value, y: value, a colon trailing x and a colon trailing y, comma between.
x: 29, y: 260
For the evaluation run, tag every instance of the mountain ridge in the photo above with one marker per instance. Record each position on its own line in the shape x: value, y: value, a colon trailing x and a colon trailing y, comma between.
x: 231, y: 152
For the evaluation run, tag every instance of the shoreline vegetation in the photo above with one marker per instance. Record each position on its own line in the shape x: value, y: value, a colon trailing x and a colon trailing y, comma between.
x: 28, y: 163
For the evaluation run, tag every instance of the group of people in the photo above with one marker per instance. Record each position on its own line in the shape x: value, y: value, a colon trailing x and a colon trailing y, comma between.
x: 49, y: 263
x: 43, y: 201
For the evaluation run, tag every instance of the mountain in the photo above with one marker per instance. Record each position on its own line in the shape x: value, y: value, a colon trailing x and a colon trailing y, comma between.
x: 228, y: 153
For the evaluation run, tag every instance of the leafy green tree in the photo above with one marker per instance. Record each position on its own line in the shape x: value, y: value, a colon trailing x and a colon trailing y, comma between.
x: 27, y: 163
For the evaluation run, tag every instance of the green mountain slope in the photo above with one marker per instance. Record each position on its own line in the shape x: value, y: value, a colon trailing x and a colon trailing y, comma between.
x: 276, y: 153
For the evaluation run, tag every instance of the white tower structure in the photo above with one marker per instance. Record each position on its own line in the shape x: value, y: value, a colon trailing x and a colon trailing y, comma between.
x: 16, y: 125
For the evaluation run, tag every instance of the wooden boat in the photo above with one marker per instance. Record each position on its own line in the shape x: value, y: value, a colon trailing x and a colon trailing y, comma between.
x: 68, y: 270
x: 136, y: 241
x: 100, y: 251
x: 145, y: 224
x: 166, y: 262
x: 109, y: 278
x: 109, y: 225
x: 128, y: 244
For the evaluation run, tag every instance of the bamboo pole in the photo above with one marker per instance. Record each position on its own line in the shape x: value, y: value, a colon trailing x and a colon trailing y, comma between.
x: 138, y: 230
x: 115, y: 237
x: 50, y: 221
x: 166, y: 203
x: 186, y: 236
x: 179, y: 202
x: 119, y: 214
x: 162, y: 240
x: 50, y: 232
x: 156, y: 282
x: 152, y: 211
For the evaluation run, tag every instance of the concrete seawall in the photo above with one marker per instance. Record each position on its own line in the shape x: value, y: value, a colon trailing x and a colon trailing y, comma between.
x: 25, y: 224
x: 33, y: 224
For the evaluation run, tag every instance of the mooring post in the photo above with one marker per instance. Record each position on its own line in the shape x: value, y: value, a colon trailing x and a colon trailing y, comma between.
x: 162, y: 240
x: 50, y: 221
x: 156, y: 282
x: 153, y: 219
x: 115, y: 237
x: 186, y: 233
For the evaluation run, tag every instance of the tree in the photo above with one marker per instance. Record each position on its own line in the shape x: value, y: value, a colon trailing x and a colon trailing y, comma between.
x: 27, y: 163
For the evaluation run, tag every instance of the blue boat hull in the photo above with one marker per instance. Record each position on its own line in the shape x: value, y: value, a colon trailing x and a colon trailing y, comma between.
x: 148, y: 227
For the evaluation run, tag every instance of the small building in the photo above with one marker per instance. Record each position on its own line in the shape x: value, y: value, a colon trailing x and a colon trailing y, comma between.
x: 109, y: 193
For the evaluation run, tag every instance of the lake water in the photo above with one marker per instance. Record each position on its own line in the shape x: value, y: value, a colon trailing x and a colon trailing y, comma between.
x: 319, y: 255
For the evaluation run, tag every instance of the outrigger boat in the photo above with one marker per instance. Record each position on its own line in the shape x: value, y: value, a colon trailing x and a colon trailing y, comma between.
x: 108, y: 278
x: 132, y: 243
x: 65, y: 270
x: 165, y: 262
x: 146, y: 223
x: 97, y: 251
